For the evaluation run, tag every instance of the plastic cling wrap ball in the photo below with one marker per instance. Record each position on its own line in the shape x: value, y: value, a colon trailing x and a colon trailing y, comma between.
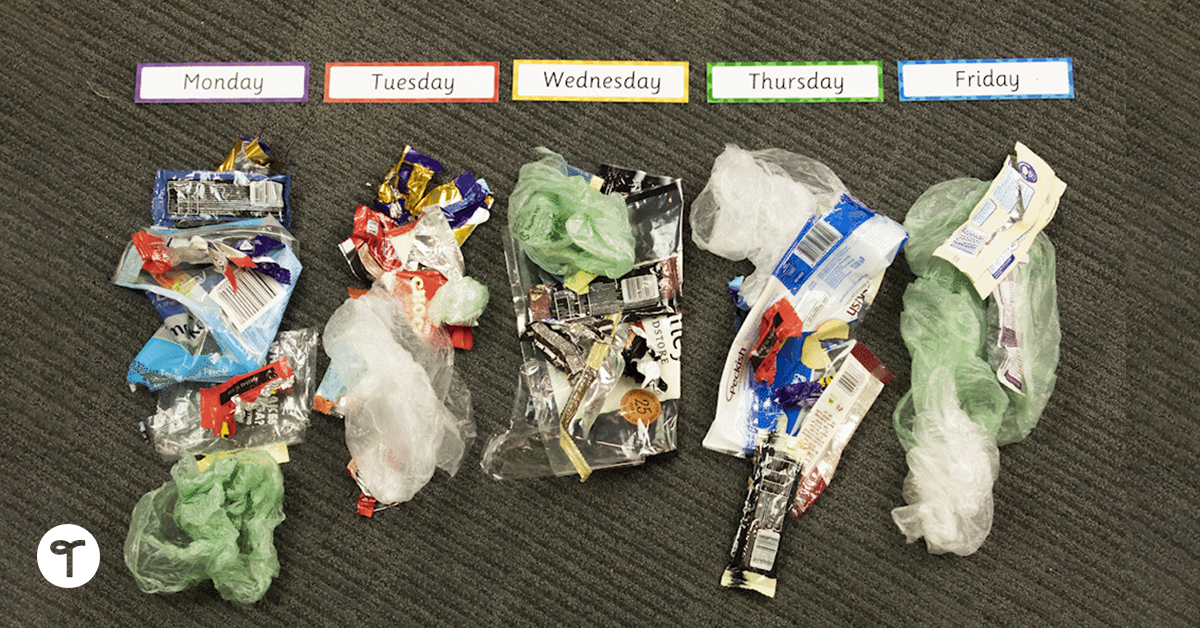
x: 216, y: 525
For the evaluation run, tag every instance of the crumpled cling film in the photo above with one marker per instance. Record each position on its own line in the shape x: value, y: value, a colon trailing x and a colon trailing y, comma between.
x: 599, y: 385
x: 404, y: 195
x: 982, y: 369
x: 217, y: 524
x: 221, y: 291
x: 565, y: 226
x: 282, y: 417
x: 407, y: 413
x: 754, y: 204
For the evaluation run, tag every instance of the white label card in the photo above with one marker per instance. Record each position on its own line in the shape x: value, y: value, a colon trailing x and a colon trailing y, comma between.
x: 986, y: 79
x: 611, y: 81
x: 796, y: 82
x: 221, y: 82
x: 412, y: 82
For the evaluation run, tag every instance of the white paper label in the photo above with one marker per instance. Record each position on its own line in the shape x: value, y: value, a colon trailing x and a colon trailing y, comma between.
x: 221, y: 82
x: 986, y: 79
x: 412, y: 82
x: 795, y: 82
x: 612, y: 81
x: 1019, y: 203
x: 766, y: 545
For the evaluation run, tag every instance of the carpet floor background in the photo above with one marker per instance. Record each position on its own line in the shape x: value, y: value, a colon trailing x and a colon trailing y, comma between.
x: 1095, y: 513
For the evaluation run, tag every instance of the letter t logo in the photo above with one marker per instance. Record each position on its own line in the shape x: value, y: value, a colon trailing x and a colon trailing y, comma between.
x: 68, y: 556
x: 63, y: 547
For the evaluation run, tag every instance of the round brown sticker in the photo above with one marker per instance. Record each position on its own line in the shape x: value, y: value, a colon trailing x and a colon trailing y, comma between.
x: 640, y: 406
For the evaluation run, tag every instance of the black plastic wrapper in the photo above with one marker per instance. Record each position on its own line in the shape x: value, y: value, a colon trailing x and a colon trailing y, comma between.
x: 768, y: 500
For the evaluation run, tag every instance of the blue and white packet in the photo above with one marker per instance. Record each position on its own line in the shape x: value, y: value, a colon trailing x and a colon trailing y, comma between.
x: 831, y: 272
x: 210, y: 331
x: 186, y: 199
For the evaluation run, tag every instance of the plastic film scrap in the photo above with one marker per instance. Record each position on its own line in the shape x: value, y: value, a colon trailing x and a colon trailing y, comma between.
x: 406, y: 411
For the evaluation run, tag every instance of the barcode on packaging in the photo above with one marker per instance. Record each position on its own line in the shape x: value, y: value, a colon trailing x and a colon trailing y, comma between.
x: 266, y: 193
x: 817, y: 242
x: 851, y: 377
x: 639, y: 288
x: 255, y: 294
x: 766, y: 545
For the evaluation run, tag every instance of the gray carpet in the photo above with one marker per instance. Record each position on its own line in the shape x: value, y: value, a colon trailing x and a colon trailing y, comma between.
x: 1095, y: 513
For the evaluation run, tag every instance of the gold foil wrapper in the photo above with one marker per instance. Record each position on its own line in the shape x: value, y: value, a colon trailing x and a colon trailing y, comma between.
x: 418, y: 179
x: 246, y: 150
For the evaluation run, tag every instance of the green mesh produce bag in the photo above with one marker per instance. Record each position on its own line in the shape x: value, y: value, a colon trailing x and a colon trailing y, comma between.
x: 214, y: 525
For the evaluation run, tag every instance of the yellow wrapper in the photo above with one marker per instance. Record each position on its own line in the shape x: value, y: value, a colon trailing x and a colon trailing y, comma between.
x: 439, y: 197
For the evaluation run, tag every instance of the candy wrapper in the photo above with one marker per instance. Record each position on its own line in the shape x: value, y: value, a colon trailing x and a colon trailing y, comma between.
x: 246, y: 185
x: 599, y: 385
x: 848, y: 388
x: 404, y: 194
x: 403, y: 234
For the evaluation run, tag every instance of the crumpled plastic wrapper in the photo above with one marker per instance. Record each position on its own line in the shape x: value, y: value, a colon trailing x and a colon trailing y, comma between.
x: 756, y: 202
x: 565, y: 226
x: 407, y: 412
x: 175, y: 428
x: 956, y: 398
x: 460, y: 302
x: 216, y: 525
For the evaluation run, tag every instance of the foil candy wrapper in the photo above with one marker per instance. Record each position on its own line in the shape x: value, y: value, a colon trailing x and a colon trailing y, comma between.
x: 250, y: 155
x: 405, y: 183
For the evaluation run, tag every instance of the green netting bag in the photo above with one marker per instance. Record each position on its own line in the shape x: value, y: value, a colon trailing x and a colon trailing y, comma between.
x: 957, y: 346
x: 216, y: 525
x: 565, y: 226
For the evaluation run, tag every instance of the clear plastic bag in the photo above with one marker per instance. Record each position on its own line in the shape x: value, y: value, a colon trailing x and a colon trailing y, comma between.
x: 217, y: 524
x: 406, y: 411
x: 756, y: 202
x: 175, y: 428
x: 950, y: 332
x: 632, y: 406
